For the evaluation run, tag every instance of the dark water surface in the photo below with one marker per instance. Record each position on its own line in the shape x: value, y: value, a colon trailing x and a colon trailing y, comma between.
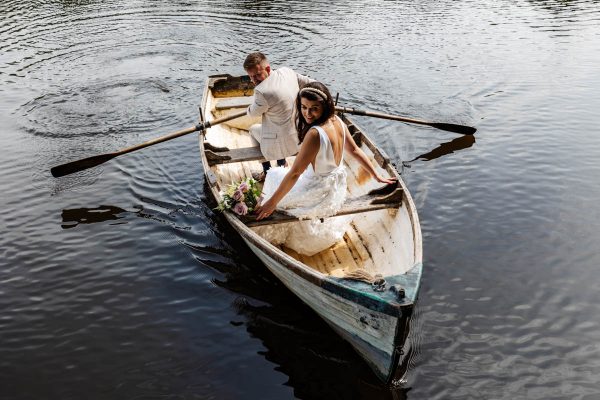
x: 121, y: 282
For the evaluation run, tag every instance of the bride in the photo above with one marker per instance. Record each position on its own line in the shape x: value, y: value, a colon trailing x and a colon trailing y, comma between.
x: 315, y: 186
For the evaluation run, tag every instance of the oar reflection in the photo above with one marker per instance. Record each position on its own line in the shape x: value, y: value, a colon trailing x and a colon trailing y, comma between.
x: 72, y: 217
x: 75, y: 216
x: 460, y: 143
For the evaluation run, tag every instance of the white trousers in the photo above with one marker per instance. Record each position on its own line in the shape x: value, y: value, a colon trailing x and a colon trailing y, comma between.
x: 275, y: 148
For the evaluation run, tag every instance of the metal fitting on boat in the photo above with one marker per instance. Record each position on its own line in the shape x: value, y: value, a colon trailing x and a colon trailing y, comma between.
x: 378, y: 285
x: 399, y: 290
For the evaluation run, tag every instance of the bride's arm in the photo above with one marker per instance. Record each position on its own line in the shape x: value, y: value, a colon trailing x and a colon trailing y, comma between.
x: 308, y: 152
x: 355, y: 151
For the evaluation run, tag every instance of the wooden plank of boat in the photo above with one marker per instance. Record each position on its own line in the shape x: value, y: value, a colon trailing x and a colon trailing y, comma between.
x: 227, y: 155
x: 361, y: 204
x: 341, y: 284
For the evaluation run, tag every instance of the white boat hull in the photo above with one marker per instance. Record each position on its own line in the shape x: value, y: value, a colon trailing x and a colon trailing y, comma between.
x: 371, y: 333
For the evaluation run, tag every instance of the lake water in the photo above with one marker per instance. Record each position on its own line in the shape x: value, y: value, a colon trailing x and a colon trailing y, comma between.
x: 121, y: 282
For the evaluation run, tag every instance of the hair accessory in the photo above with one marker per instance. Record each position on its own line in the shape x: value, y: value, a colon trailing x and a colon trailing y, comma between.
x: 318, y: 92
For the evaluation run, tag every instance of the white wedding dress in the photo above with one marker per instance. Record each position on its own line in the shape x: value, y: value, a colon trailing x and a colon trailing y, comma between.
x: 319, y: 192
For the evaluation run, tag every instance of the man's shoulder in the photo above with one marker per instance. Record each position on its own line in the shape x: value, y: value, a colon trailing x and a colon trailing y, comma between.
x: 284, y: 72
x: 281, y: 76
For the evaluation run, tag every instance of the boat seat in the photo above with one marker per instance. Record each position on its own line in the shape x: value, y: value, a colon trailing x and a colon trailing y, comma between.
x: 233, y: 102
x: 389, y: 196
x: 224, y: 155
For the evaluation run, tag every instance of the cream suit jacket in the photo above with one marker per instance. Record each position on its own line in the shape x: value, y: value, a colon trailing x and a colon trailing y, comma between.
x: 274, y: 99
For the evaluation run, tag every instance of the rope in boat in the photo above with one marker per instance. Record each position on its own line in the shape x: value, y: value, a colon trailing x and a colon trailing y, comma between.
x: 377, y: 282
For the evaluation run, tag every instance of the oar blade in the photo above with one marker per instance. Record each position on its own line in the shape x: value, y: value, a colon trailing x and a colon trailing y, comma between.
x: 80, y: 165
x: 462, y: 129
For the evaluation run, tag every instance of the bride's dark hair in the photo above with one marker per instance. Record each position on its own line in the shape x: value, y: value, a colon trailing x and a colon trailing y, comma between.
x: 314, y: 91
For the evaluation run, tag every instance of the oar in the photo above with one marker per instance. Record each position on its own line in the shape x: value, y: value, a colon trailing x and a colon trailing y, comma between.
x: 462, y: 129
x: 80, y: 165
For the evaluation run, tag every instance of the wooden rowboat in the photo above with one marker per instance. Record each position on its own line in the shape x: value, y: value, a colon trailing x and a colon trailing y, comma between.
x: 364, y: 286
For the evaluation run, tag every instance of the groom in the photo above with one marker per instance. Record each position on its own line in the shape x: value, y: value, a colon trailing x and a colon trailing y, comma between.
x: 274, y: 99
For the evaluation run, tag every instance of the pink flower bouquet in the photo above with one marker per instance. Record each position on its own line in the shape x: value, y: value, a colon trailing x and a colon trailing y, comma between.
x: 240, y: 197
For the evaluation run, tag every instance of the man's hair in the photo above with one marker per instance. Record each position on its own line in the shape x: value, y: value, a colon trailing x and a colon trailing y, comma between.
x: 254, y: 59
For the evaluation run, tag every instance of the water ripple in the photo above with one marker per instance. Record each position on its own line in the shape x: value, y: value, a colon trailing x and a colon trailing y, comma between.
x: 127, y: 265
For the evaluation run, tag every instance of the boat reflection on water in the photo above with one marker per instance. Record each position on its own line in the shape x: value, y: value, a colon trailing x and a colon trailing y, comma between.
x: 317, y: 361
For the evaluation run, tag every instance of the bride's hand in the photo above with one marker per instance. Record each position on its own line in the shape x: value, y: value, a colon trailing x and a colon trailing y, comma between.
x: 264, y: 210
x: 381, y: 179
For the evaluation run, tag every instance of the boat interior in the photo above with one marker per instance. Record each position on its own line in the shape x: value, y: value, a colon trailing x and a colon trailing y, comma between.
x: 380, y: 240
